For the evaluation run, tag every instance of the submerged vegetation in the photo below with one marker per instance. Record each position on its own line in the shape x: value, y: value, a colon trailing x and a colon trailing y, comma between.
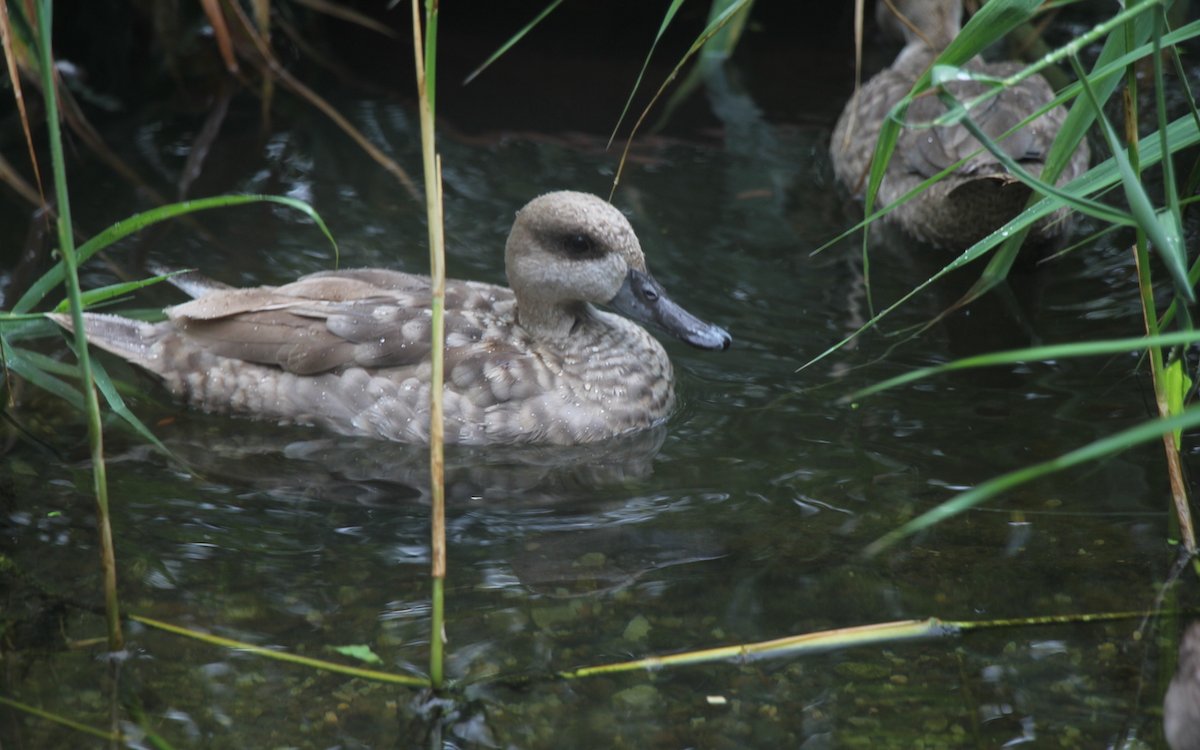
x: 1143, y: 183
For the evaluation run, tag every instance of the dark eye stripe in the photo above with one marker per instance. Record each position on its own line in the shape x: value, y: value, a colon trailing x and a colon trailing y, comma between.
x: 580, y: 245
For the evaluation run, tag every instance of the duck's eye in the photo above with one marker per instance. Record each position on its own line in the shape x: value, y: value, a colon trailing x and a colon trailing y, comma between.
x: 579, y: 245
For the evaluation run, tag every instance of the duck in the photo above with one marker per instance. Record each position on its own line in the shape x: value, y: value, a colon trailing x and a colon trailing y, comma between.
x: 1181, y: 703
x: 979, y: 196
x: 536, y: 362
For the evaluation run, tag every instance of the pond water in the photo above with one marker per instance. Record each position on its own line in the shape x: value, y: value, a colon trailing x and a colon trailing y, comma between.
x: 743, y: 519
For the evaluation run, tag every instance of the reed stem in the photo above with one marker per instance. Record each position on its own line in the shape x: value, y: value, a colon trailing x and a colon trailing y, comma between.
x: 425, y: 54
x: 1141, y: 251
x: 66, y: 243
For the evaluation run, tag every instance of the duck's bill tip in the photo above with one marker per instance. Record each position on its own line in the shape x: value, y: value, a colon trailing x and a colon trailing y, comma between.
x: 713, y: 338
x: 643, y: 299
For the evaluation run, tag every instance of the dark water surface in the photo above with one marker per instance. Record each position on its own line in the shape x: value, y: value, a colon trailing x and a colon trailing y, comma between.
x: 742, y: 520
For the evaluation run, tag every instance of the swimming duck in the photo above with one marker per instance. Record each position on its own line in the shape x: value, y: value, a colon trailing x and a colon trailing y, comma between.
x: 349, y: 350
x: 981, y: 195
x: 1181, y: 704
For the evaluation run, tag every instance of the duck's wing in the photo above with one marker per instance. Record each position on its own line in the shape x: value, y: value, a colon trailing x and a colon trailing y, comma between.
x: 927, y: 151
x: 326, y: 322
x: 852, y: 144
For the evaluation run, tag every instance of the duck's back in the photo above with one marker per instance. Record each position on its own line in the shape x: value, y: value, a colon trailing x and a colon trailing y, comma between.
x: 976, y: 197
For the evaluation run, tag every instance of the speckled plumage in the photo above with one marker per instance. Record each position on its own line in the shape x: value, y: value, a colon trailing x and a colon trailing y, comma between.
x: 349, y: 350
x: 981, y: 195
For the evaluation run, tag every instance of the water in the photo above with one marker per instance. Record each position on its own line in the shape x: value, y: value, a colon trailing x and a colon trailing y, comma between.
x: 742, y: 520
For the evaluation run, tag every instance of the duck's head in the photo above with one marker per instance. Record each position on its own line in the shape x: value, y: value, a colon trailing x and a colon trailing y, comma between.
x: 569, y: 249
x: 932, y: 23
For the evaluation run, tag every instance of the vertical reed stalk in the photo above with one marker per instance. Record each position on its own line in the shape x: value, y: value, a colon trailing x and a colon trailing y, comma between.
x: 66, y: 244
x: 262, y: 19
x: 426, y: 65
x: 1178, y: 484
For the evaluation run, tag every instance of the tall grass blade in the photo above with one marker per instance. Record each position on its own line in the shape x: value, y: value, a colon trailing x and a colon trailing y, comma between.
x: 842, y: 638
x: 270, y: 653
x: 42, y: 371
x: 512, y: 41
x: 1163, y: 235
x: 713, y: 27
x: 94, y: 297
x: 989, y: 25
x: 1182, y: 133
x: 220, y: 29
x: 57, y: 719
x: 1142, y: 433
x: 14, y: 79
x: 66, y: 239
x: 121, y: 409
x: 1033, y: 354
x: 1178, y: 385
x: 426, y: 65
x: 669, y: 16
x: 55, y: 276
x: 9, y: 176
x: 18, y: 361
x: 959, y: 114
x: 1171, y: 216
x: 262, y: 21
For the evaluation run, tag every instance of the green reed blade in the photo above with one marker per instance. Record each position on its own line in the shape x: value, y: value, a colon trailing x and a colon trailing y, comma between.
x: 1165, y: 237
x: 1181, y: 134
x: 1145, y: 432
x: 20, y: 361
x: 58, y: 719
x: 513, y: 40
x: 270, y: 653
x: 672, y: 9
x: 52, y: 278
x: 1033, y: 354
x: 93, y: 297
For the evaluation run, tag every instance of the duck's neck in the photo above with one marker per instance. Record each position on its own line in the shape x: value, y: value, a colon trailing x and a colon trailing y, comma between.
x: 553, y: 321
x: 914, y: 59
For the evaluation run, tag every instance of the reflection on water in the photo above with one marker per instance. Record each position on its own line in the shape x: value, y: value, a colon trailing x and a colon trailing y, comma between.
x: 741, y: 520
x: 309, y: 463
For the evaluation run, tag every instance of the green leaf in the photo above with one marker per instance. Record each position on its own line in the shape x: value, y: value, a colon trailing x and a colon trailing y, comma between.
x: 1142, y: 433
x: 1166, y: 240
x: 1105, y: 76
x: 1035, y: 354
x: 1182, y: 133
x: 715, y: 24
x: 94, y: 297
x: 513, y: 40
x: 1094, y: 208
x: 105, y: 384
x: 1177, y: 386
x: 361, y: 652
x: 672, y: 9
x: 17, y: 361
x: 55, y: 276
